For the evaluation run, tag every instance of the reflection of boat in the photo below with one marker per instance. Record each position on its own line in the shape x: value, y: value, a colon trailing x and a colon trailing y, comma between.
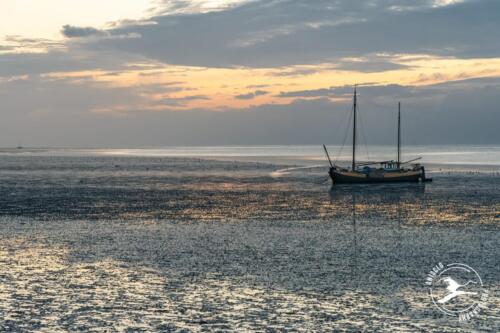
x: 388, y: 193
x: 388, y: 171
x: 355, y: 201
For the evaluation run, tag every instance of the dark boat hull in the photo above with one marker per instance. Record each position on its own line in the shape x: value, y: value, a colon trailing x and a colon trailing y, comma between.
x: 350, y: 177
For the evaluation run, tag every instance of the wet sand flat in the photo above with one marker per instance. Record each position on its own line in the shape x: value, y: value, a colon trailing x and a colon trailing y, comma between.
x: 95, y: 243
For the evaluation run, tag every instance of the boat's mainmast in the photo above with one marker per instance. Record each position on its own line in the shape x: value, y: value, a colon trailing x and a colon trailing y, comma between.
x: 354, y: 133
x: 399, y: 135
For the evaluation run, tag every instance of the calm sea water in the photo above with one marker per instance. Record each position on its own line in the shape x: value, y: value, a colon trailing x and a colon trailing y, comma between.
x: 485, y: 155
x: 238, y: 238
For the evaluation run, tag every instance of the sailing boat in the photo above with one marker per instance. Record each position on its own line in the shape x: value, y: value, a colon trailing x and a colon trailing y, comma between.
x: 367, y: 172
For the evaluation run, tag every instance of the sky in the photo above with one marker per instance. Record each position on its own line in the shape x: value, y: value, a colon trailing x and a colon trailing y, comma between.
x: 141, y: 73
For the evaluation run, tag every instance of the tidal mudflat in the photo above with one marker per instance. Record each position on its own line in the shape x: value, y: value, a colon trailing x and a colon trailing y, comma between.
x: 117, y: 243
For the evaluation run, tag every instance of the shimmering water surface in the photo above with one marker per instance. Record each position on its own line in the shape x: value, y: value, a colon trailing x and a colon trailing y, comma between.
x: 238, y: 238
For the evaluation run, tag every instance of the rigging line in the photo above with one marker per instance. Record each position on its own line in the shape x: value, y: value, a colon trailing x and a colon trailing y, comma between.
x: 351, y: 112
x: 339, y: 126
x: 364, y: 137
x: 340, y: 123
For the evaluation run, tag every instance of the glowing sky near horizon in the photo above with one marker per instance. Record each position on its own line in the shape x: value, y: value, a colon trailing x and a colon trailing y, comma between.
x: 221, y: 87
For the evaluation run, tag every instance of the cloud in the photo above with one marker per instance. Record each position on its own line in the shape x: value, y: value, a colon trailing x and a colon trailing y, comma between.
x: 65, y: 60
x: 76, y: 32
x: 323, y: 92
x: 183, y: 7
x: 180, y: 101
x: 281, y: 33
x: 14, y: 44
x: 347, y: 90
x: 96, y: 34
x: 369, y: 65
x: 441, y: 3
x: 298, y: 71
x: 253, y: 86
x: 329, y: 32
x: 252, y: 94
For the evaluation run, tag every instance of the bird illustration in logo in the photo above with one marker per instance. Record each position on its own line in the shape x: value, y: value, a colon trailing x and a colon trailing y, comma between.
x: 452, y: 288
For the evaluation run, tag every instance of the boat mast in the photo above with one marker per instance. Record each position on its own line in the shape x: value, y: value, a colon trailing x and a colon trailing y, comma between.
x: 399, y: 135
x: 354, y: 132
